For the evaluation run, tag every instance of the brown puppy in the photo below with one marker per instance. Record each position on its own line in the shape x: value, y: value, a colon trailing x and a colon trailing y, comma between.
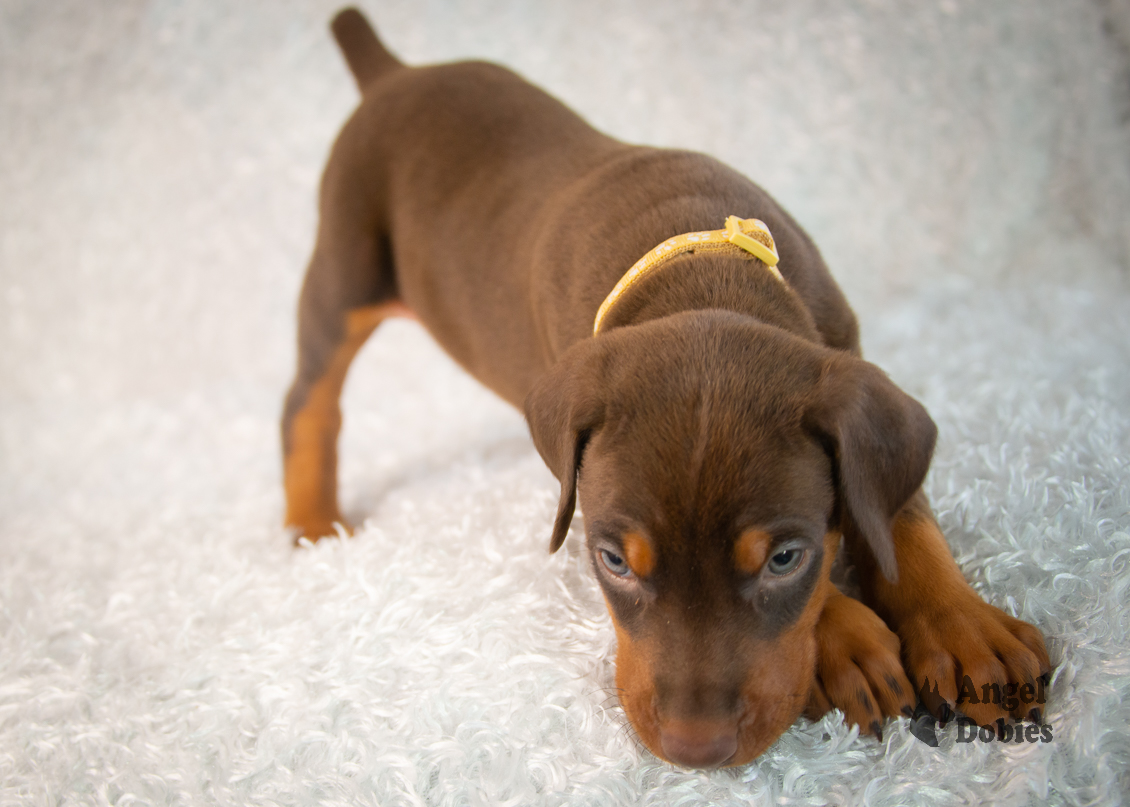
x: 720, y: 430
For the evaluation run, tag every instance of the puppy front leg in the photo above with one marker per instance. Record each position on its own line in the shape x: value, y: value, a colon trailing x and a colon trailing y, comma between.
x: 858, y: 669
x: 960, y: 652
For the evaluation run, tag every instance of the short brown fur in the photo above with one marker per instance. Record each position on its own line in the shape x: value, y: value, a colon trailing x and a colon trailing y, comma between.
x: 720, y: 419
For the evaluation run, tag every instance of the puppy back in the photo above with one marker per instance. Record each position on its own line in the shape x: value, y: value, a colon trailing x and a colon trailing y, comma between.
x: 366, y: 56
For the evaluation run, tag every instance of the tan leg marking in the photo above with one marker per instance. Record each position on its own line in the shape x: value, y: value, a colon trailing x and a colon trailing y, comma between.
x: 858, y: 668
x: 947, y: 631
x: 310, y: 468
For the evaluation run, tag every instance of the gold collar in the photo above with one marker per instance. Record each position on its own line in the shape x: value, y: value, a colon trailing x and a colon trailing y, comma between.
x: 749, y: 235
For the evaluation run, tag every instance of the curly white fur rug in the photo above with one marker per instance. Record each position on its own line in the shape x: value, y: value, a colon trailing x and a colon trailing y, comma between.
x: 965, y: 167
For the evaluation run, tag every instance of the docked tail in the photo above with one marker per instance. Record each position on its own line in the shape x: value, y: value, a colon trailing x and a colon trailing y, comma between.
x: 364, y: 53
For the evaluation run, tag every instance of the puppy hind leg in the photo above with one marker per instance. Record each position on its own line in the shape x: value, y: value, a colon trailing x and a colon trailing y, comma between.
x: 342, y: 303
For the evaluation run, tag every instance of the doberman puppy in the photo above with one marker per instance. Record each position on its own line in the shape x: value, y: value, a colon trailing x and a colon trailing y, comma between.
x: 719, y: 427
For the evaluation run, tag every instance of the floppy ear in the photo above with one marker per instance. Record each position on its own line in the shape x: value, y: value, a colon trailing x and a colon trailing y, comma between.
x: 563, y: 408
x: 881, y: 440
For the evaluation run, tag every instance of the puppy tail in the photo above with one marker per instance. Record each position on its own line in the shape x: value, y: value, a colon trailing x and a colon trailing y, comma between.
x: 366, y: 56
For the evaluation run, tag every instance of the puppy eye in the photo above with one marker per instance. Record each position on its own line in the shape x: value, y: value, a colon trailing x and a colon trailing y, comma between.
x: 615, y: 564
x: 785, y: 561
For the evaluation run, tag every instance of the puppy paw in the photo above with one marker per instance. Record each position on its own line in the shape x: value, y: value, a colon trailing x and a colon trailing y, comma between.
x: 975, y: 659
x: 858, y: 667
x: 314, y: 531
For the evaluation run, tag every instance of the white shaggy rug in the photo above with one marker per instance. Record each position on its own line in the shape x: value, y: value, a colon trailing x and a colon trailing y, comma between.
x: 965, y: 167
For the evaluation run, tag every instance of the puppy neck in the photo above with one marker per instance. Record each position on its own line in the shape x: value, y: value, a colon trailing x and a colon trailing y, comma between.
x: 729, y: 283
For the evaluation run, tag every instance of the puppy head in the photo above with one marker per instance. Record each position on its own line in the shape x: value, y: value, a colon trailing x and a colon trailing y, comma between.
x: 717, y: 461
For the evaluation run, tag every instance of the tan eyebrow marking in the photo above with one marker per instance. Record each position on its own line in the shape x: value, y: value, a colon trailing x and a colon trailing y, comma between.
x: 639, y: 554
x: 751, y: 549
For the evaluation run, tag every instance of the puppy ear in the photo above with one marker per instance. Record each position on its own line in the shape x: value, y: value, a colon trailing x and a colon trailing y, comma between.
x: 881, y: 441
x: 563, y: 409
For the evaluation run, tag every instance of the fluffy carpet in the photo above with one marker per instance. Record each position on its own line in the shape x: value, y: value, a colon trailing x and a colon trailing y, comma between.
x: 965, y: 168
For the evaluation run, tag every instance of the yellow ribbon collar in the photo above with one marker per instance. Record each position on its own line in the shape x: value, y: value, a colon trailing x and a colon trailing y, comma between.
x: 748, y: 235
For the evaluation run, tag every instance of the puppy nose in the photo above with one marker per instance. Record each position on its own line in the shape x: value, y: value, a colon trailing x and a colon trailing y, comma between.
x: 698, y: 743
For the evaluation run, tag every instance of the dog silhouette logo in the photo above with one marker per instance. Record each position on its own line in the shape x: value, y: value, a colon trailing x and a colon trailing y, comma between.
x: 922, y: 726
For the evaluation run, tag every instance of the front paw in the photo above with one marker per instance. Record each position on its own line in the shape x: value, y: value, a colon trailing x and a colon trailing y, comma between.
x: 858, y: 668
x: 971, y: 657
